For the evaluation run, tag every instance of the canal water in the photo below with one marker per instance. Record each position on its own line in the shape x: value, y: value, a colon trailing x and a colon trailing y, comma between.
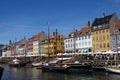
x: 23, y: 73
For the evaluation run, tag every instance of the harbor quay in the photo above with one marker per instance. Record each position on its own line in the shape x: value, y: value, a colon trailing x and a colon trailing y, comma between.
x: 97, y: 61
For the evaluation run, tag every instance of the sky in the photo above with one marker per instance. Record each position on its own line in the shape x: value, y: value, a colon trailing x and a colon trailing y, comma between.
x: 25, y: 18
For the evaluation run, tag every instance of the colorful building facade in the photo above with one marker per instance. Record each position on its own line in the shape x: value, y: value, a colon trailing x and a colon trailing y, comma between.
x: 100, y: 31
x: 54, y: 44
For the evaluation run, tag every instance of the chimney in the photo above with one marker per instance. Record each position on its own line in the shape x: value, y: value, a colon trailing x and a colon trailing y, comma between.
x: 103, y: 15
x: 53, y: 33
x: 88, y: 23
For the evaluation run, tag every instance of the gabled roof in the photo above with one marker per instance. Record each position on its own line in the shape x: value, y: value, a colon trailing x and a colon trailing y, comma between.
x: 37, y: 36
x: 84, y: 31
x: 102, y: 20
x: 116, y: 26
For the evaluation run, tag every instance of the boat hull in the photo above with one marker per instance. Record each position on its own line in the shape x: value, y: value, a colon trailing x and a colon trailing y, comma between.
x: 36, y: 64
x: 112, y: 70
x: 22, y: 64
x: 55, y: 68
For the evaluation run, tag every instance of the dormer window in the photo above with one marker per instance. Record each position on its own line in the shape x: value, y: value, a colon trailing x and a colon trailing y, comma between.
x: 94, y: 27
x: 99, y: 26
x: 107, y: 25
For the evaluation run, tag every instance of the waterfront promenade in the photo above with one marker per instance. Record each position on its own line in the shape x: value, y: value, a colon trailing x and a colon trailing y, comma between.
x: 98, y: 61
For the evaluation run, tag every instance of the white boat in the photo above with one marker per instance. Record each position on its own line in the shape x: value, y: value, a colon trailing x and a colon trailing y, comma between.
x: 15, y: 62
x: 114, y: 69
x: 37, y: 64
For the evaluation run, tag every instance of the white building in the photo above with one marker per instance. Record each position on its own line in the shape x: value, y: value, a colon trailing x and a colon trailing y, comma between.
x: 79, y: 41
x: 35, y: 47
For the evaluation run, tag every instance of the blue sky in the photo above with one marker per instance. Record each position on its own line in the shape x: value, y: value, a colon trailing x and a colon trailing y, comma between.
x: 25, y: 18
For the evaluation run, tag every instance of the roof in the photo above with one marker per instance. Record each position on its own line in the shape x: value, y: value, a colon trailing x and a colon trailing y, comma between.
x: 116, y: 26
x: 37, y: 36
x: 84, y: 31
x: 102, y: 20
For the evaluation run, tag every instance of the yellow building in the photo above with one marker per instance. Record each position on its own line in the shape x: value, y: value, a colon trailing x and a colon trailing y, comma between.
x: 101, y: 29
x: 54, y: 44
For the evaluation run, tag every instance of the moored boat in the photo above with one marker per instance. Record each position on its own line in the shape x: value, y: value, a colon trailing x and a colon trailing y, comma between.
x: 113, y: 69
x: 37, y: 64
x: 17, y: 63
x: 55, y: 67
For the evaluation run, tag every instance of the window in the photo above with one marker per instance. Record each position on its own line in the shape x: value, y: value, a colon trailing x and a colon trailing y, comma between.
x: 88, y: 36
x: 79, y: 44
x: 94, y: 27
x: 100, y: 45
x: 104, y: 45
x: 106, y: 30
x: 108, y: 45
x: 82, y: 38
x: 82, y: 43
x: 96, y: 38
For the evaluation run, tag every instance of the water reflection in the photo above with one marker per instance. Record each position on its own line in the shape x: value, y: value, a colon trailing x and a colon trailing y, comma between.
x: 11, y: 73
x: 112, y: 76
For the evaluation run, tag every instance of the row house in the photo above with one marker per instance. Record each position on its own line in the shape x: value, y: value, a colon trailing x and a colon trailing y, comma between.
x: 33, y: 44
x: 20, y: 47
x: 53, y: 44
x: 84, y: 40
x: 115, y: 37
x: 4, y: 50
x: 100, y: 32
x: 79, y: 41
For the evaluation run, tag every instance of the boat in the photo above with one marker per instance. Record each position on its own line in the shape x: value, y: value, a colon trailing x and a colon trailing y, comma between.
x: 114, y: 69
x: 55, y: 67
x: 37, y: 64
x: 15, y: 63
x: 1, y: 71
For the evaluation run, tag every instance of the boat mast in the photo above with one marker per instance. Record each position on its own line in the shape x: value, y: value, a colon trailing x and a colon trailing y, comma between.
x: 74, y: 38
x: 48, y: 39
x: 56, y: 42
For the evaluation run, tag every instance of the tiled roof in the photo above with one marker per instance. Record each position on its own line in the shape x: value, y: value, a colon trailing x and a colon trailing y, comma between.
x: 37, y: 36
x: 116, y: 25
x: 102, y: 20
x: 84, y: 31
